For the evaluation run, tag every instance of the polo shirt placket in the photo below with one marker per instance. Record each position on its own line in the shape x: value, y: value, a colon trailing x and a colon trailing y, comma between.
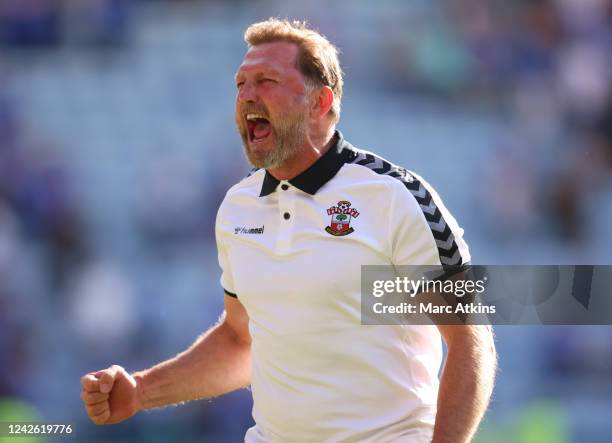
x: 286, y: 214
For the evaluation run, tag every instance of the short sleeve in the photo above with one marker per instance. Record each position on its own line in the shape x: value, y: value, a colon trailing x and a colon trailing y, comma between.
x: 227, y: 280
x: 423, y: 232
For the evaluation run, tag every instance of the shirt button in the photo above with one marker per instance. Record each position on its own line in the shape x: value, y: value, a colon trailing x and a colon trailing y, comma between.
x: 284, y: 187
x: 286, y: 216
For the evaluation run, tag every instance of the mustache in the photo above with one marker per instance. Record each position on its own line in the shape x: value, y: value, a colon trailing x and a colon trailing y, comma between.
x: 252, y: 109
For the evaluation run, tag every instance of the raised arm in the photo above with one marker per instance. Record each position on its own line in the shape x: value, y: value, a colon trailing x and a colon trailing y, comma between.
x: 218, y: 362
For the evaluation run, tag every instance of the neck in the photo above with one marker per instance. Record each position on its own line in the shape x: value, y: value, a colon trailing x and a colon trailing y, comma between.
x: 315, y: 147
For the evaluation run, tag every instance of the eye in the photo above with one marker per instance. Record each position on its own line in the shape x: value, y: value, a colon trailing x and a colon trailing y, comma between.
x: 239, y: 84
x: 268, y: 80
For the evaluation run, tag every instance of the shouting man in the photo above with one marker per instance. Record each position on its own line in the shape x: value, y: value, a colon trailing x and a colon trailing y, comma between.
x: 291, y: 238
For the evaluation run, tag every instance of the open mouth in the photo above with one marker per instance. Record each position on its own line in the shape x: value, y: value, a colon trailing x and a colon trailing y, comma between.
x: 259, y: 127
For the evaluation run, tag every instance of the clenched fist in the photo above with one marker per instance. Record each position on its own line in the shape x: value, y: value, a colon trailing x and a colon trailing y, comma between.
x: 110, y: 395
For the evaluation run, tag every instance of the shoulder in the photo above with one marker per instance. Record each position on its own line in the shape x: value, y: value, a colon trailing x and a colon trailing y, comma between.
x: 249, y: 186
x: 243, y: 193
x: 400, y: 179
x: 414, y: 195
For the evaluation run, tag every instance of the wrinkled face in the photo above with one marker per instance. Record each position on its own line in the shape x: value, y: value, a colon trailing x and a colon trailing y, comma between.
x: 272, y: 106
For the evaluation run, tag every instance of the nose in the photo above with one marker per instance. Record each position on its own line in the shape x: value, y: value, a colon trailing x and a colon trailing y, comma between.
x: 247, y: 93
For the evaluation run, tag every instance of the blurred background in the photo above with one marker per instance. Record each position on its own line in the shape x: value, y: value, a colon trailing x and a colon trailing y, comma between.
x: 117, y: 144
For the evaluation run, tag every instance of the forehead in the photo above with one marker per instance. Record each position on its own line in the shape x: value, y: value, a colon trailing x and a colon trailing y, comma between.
x: 277, y: 56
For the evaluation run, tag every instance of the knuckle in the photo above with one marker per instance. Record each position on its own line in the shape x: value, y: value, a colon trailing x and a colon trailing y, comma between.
x: 103, y: 417
x: 96, y: 412
x: 88, y: 382
x: 91, y: 402
x: 100, y: 408
x: 95, y: 397
x: 106, y: 378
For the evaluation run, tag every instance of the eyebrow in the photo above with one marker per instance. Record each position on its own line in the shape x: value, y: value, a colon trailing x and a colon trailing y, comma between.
x: 261, y: 73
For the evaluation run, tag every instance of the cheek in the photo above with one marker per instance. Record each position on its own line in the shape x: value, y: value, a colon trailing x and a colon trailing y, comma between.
x: 238, y: 117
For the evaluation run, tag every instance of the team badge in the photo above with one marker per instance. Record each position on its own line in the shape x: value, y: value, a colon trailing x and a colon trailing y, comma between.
x: 341, y: 216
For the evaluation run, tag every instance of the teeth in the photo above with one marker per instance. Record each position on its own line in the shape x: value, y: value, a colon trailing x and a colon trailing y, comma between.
x: 254, y: 116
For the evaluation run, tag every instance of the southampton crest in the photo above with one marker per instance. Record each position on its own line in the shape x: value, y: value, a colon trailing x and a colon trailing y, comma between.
x: 341, y: 218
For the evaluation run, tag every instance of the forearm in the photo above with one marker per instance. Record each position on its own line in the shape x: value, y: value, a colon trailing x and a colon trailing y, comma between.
x: 217, y: 363
x: 466, y: 385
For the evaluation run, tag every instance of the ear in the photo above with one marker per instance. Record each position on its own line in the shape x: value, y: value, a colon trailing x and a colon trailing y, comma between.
x: 323, y: 100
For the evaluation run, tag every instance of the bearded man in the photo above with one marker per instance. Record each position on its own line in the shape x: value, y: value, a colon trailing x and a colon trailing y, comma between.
x: 291, y: 238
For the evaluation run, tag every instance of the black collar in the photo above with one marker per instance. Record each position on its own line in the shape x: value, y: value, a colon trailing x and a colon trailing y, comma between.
x: 319, y: 173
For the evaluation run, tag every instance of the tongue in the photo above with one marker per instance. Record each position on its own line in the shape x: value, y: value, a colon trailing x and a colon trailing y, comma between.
x: 261, y: 129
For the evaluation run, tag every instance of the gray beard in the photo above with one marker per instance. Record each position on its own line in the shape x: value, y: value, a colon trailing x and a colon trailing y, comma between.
x: 289, y: 136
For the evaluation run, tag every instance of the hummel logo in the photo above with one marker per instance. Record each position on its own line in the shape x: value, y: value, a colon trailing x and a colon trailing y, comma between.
x: 243, y: 230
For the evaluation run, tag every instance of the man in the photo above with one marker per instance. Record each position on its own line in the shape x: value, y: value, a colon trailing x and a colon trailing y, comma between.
x: 291, y: 239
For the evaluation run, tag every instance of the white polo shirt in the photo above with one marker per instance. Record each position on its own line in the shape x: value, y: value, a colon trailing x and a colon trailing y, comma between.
x: 291, y: 251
